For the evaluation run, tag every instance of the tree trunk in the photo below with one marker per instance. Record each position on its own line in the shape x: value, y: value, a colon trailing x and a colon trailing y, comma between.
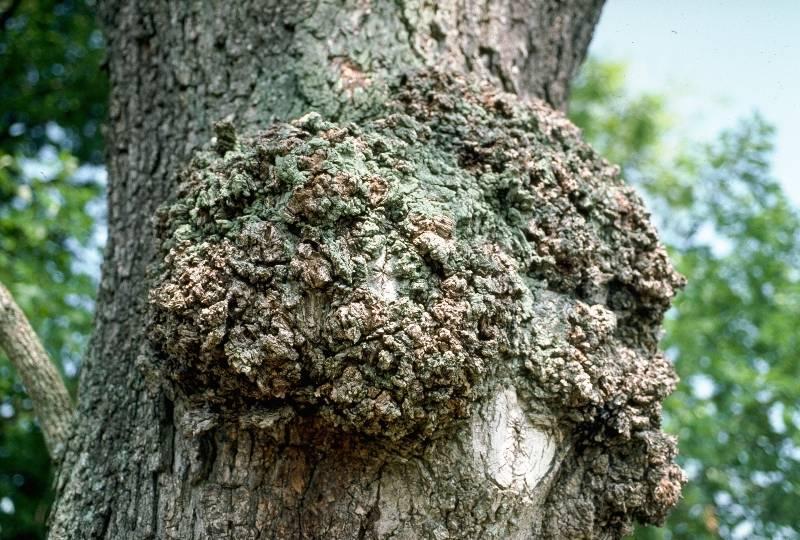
x: 143, y: 462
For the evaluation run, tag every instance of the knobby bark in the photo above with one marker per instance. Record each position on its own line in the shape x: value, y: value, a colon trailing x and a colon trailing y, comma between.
x: 146, y: 462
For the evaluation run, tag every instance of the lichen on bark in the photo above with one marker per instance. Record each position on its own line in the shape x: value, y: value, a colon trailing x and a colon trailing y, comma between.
x: 383, y: 278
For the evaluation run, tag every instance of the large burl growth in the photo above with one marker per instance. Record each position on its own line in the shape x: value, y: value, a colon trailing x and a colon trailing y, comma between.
x: 385, y: 278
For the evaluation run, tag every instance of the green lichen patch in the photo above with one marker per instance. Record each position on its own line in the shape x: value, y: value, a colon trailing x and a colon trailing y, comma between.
x: 320, y: 264
x: 382, y: 277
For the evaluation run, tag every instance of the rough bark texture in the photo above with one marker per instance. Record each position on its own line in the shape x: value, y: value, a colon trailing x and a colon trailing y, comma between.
x: 459, y: 256
x: 236, y: 454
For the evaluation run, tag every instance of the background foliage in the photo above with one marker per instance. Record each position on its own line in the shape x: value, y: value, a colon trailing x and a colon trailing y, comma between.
x: 52, y: 101
x: 732, y: 334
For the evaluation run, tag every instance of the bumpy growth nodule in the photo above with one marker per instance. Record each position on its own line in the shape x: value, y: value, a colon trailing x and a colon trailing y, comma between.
x: 380, y: 276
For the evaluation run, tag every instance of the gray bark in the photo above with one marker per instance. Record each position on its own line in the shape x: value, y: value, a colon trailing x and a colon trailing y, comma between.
x: 143, y: 461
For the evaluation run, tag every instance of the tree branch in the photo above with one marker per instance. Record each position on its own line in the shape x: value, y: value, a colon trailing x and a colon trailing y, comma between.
x: 51, y: 402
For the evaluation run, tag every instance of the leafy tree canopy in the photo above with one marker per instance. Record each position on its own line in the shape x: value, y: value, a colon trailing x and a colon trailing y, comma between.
x: 733, y: 331
x: 50, y: 54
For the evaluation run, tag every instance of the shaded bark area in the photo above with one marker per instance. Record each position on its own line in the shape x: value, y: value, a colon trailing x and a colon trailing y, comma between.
x: 140, y: 466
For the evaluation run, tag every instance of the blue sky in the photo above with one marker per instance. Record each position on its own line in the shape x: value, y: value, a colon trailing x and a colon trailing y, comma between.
x: 720, y: 60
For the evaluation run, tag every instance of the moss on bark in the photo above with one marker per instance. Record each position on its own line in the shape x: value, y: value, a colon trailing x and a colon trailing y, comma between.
x: 381, y: 278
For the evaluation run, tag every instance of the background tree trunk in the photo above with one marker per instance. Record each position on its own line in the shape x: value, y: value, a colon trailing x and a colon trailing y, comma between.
x: 140, y: 465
